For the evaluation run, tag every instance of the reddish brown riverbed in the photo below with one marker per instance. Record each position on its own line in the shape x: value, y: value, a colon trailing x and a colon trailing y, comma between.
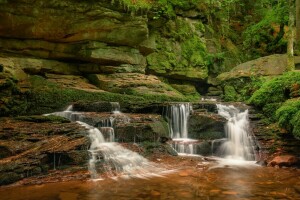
x: 197, y: 180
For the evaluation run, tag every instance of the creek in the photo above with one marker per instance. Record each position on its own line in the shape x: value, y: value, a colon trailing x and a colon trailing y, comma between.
x: 229, y: 172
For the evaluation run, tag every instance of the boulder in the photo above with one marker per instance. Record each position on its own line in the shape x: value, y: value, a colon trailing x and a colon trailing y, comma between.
x: 265, y: 66
x: 134, y: 84
x: 206, y: 126
x: 284, y: 161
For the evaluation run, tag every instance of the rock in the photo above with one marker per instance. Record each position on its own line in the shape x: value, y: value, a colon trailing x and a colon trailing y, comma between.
x: 175, y: 57
x: 262, y: 162
x: 18, y: 65
x: 101, y: 106
x: 90, y: 51
x: 135, y: 84
x: 8, y: 178
x: 78, y: 21
x: 155, y: 193
x: 284, y: 161
x: 164, y: 140
x: 266, y: 66
x: 39, y: 145
x: 206, y: 126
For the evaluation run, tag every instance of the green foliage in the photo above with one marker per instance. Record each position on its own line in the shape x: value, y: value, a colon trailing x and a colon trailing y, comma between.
x: 132, y: 5
x: 262, y: 34
x: 288, y: 116
x: 275, y: 90
x: 230, y: 94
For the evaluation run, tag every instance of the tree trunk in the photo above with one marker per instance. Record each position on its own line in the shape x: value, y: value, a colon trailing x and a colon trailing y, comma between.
x: 291, y: 35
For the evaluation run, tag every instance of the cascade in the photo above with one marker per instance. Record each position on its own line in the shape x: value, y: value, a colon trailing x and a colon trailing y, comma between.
x: 109, y: 157
x: 177, y: 116
x: 115, y: 107
x: 239, y: 143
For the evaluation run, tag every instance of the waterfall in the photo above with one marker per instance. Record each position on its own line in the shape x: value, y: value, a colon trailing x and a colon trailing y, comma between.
x: 107, y: 156
x: 177, y: 116
x: 115, y: 107
x: 239, y: 143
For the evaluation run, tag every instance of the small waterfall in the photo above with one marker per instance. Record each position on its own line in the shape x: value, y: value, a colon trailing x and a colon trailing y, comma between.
x: 115, y: 107
x: 109, y: 157
x: 239, y: 143
x: 177, y: 116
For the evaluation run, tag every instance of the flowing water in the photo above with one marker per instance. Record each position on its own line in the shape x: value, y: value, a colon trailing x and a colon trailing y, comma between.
x: 177, y: 116
x: 239, y: 144
x: 107, y: 156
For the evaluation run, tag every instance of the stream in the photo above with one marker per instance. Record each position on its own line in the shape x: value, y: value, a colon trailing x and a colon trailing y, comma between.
x: 214, y: 182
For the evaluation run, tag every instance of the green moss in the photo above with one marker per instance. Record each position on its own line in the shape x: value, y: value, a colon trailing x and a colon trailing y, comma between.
x: 47, y: 97
x: 269, y: 111
x: 40, y: 119
x: 275, y: 90
x: 229, y: 93
x: 288, y: 116
x: 181, y: 52
x: 295, y: 122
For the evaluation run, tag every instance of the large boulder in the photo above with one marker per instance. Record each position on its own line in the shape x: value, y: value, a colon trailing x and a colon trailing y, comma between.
x: 266, y: 66
x: 284, y: 161
x: 207, y: 126
x: 134, y: 84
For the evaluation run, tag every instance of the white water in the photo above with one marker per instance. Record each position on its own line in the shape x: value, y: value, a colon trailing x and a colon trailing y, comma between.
x: 239, y: 143
x: 109, y: 157
x: 116, y: 109
x: 177, y: 116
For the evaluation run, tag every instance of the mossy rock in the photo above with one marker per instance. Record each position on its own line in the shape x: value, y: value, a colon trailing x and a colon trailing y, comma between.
x: 41, y: 119
x: 276, y: 90
x: 288, y: 116
x: 9, y: 177
x: 181, y: 53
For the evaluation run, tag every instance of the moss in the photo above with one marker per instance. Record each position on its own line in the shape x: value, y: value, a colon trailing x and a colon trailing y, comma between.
x: 12, y: 99
x: 276, y: 90
x: 288, y: 116
x: 269, y: 111
x: 181, y: 52
x: 47, y: 97
x: 229, y: 93
x: 40, y: 119
x: 295, y: 122
x: 9, y: 177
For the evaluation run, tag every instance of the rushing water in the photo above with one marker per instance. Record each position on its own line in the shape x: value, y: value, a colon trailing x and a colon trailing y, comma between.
x: 239, y: 143
x: 107, y: 156
x: 177, y: 116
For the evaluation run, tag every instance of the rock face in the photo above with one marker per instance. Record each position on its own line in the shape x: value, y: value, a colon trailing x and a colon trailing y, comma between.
x: 266, y: 66
x: 206, y: 126
x: 175, y: 58
x: 34, y: 145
